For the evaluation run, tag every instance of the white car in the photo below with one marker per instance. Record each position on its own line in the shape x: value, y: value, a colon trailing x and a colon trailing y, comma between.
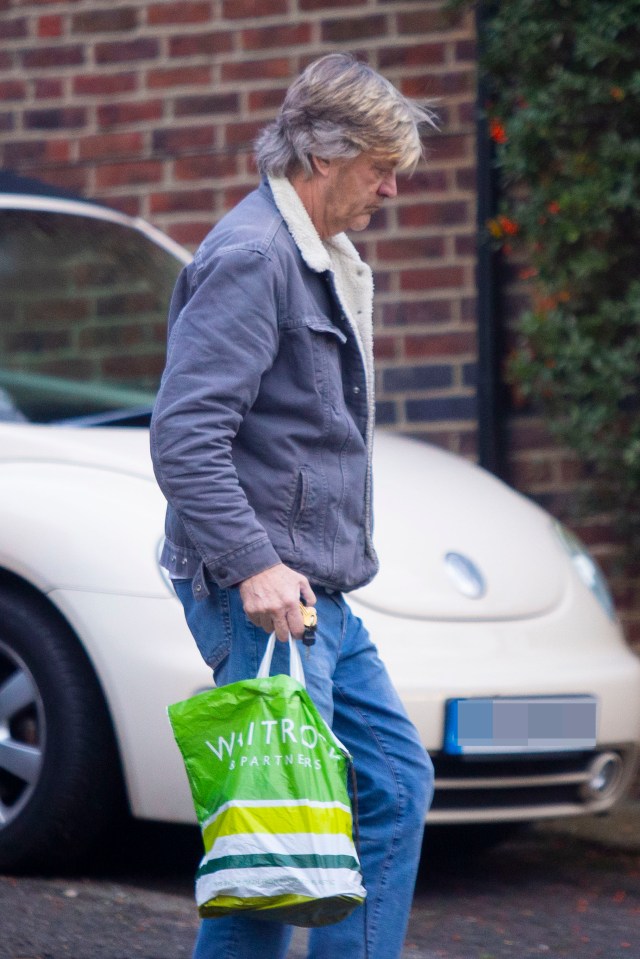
x: 496, y: 626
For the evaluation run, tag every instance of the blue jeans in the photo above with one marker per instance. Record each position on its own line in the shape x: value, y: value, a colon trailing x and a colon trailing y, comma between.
x: 349, y: 685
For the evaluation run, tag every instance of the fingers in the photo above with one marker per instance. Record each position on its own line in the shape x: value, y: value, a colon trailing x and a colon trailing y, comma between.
x: 308, y: 595
x: 282, y: 628
x: 271, y: 600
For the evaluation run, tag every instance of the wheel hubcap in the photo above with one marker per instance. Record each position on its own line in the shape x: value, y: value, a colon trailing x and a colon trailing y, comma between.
x: 22, y: 734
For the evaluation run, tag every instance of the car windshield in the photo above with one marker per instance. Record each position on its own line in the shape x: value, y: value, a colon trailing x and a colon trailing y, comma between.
x: 83, y: 308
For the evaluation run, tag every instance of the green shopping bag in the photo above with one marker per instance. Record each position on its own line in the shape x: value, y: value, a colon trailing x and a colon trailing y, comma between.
x: 268, y: 780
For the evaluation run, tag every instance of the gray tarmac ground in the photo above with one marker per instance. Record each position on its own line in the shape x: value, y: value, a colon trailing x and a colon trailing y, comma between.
x: 563, y: 890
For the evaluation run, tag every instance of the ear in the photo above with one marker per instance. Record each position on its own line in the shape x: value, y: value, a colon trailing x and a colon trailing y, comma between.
x: 320, y: 165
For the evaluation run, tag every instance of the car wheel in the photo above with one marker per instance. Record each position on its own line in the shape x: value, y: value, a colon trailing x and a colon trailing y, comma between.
x: 59, y: 774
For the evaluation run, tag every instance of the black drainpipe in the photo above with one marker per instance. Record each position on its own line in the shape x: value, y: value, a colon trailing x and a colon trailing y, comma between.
x: 491, y: 445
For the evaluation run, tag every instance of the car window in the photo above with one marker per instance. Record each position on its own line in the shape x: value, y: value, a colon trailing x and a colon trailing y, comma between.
x: 83, y: 308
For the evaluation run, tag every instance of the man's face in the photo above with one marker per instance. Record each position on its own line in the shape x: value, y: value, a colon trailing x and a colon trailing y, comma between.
x: 355, y: 189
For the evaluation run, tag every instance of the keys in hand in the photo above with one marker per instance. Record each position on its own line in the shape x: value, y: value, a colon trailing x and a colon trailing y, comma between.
x: 310, y: 620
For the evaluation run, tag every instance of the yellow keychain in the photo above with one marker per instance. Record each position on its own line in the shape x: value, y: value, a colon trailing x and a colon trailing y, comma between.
x: 310, y: 620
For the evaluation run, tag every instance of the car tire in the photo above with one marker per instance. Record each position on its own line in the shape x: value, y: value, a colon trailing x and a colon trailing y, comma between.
x: 60, y: 787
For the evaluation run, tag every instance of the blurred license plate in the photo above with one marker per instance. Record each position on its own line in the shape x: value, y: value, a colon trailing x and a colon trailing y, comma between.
x: 505, y: 725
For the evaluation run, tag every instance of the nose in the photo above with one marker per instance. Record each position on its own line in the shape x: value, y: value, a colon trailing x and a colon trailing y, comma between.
x: 389, y: 186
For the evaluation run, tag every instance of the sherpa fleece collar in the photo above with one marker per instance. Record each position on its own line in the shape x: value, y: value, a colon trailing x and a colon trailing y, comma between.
x: 353, y: 284
x: 352, y: 276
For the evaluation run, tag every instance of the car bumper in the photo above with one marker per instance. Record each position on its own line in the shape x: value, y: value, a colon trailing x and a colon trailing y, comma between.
x: 145, y: 658
x: 566, y: 653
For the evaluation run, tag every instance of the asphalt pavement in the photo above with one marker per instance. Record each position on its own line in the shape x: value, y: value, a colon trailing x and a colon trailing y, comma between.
x: 619, y: 830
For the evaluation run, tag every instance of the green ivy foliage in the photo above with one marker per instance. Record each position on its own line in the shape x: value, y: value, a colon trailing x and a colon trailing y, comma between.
x: 563, y: 79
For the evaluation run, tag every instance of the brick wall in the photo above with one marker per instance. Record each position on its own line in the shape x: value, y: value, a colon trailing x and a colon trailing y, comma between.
x: 554, y: 476
x: 153, y: 107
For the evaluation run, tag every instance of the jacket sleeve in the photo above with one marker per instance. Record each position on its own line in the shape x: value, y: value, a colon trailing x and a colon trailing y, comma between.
x: 223, y: 339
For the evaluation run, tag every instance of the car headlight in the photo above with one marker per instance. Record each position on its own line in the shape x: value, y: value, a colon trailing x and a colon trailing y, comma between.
x: 586, y: 568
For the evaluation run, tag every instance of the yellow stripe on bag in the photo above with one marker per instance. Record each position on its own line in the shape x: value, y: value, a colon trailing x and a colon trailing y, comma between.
x: 222, y: 905
x: 277, y: 819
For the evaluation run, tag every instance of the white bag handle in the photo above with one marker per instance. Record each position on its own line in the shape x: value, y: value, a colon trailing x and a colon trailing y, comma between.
x: 295, y: 663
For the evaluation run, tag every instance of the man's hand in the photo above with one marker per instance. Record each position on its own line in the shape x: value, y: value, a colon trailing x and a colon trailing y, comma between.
x: 271, y: 600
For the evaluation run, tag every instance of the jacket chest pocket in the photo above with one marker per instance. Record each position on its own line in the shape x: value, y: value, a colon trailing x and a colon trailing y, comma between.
x: 319, y: 353
x: 312, y: 350
x: 323, y: 327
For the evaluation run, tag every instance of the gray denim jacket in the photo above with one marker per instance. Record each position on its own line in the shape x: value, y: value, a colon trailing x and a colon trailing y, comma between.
x: 262, y: 431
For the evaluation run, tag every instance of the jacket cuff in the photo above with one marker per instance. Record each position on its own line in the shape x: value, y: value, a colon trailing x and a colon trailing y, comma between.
x: 234, y: 567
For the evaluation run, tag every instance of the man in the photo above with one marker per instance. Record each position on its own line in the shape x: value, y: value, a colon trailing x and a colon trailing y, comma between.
x: 262, y: 439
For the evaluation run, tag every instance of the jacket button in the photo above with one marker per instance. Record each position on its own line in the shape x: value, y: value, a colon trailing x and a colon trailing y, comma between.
x: 222, y: 572
x: 356, y: 390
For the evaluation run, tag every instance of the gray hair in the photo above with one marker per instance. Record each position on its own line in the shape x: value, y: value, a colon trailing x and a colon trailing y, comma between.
x: 337, y: 108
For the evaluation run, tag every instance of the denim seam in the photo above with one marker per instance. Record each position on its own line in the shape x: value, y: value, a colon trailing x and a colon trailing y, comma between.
x: 384, y: 871
x: 225, y: 606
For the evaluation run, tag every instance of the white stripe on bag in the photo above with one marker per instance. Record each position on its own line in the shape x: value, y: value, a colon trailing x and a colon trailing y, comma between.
x: 286, y: 844
x: 272, y: 881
